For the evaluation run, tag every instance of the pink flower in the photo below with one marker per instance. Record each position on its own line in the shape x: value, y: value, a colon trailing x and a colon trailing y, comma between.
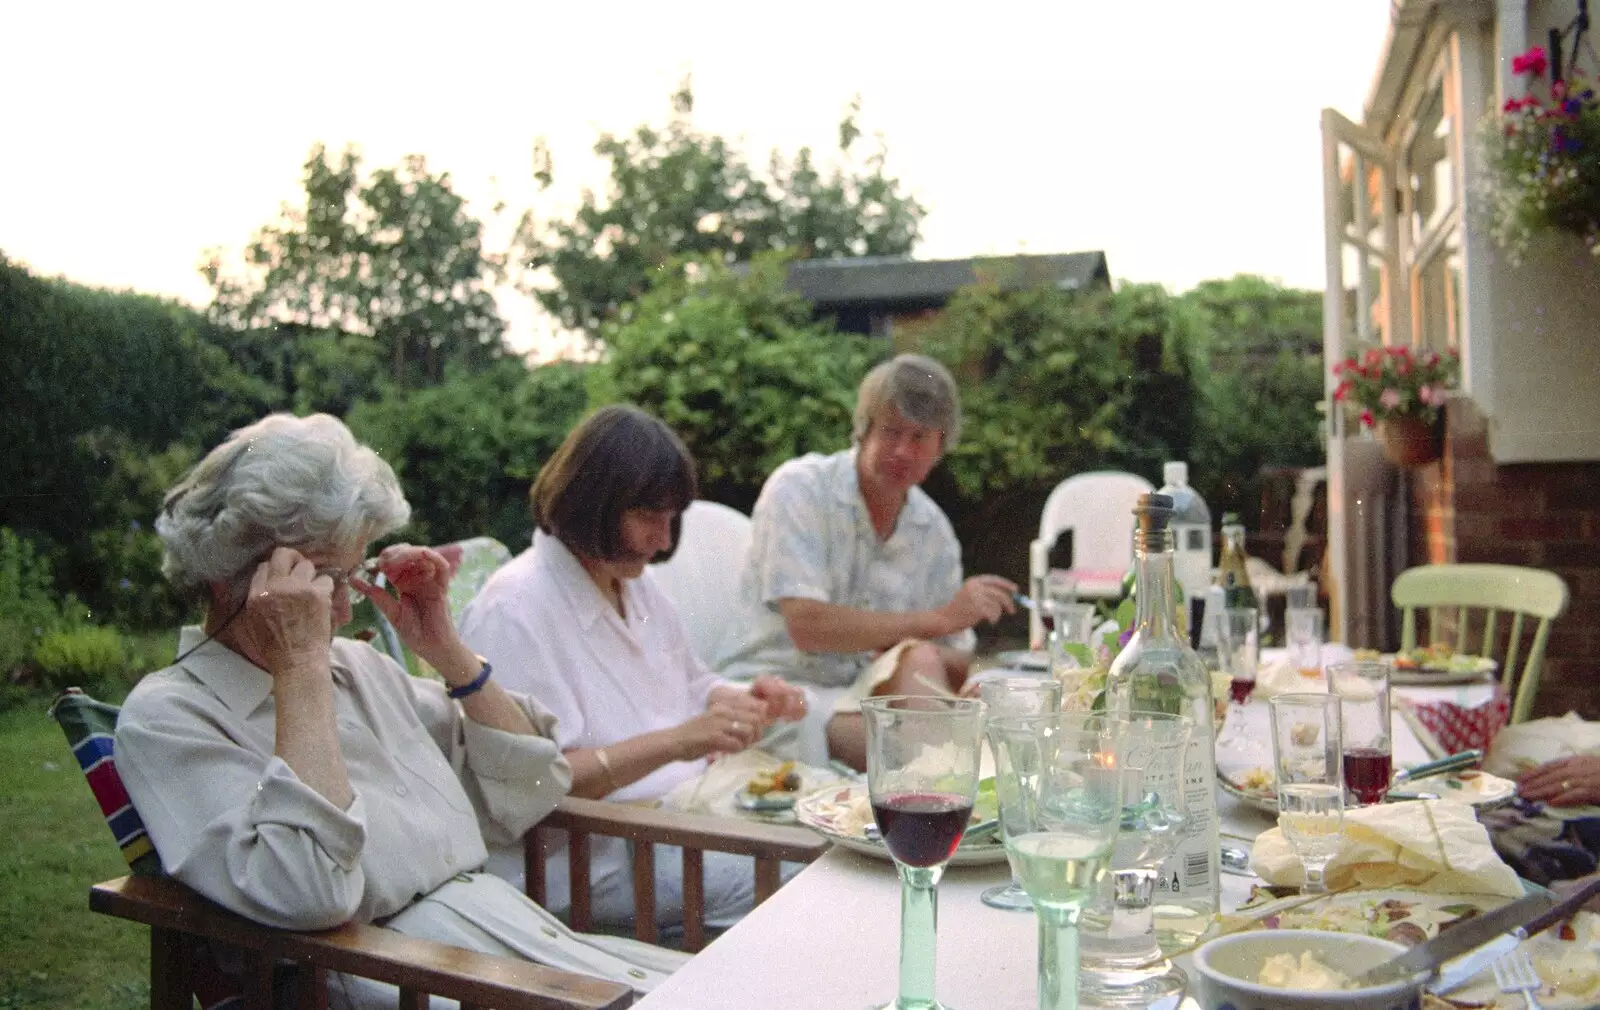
x: 1390, y: 398
x: 1373, y: 356
x: 1431, y: 395
x: 1534, y: 62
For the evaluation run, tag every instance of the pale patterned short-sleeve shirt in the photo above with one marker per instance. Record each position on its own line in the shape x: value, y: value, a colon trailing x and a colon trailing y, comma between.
x: 811, y: 538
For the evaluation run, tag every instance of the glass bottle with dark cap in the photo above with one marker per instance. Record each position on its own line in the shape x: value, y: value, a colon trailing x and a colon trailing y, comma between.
x: 1157, y: 671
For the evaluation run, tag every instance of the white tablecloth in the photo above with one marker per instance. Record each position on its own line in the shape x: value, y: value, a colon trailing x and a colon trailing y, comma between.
x: 829, y: 938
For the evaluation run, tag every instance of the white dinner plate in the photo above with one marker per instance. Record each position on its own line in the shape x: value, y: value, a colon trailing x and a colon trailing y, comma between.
x: 1479, y: 790
x: 835, y: 814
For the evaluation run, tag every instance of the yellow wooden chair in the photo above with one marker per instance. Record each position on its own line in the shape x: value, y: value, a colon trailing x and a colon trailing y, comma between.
x: 1496, y: 589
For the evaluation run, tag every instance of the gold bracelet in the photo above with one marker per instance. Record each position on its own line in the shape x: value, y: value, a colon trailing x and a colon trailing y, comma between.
x: 601, y: 756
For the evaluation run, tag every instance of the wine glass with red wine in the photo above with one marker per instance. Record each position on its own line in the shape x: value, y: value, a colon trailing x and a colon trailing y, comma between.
x: 922, y: 776
x: 1362, y: 688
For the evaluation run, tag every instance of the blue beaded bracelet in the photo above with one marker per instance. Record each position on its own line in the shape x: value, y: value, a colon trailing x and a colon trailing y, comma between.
x: 477, y: 682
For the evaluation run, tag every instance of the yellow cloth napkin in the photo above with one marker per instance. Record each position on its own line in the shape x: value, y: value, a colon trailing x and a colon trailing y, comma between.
x: 1424, y: 845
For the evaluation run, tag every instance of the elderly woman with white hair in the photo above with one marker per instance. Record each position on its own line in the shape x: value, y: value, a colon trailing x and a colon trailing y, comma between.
x: 302, y: 779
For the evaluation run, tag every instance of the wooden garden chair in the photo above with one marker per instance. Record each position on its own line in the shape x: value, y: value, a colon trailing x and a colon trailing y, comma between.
x: 1455, y: 591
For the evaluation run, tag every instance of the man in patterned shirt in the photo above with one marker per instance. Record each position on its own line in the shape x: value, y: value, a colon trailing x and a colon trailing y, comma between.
x: 854, y: 576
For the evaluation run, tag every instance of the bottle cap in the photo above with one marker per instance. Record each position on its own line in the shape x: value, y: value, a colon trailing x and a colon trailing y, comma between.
x: 1175, y: 473
x: 1154, y: 511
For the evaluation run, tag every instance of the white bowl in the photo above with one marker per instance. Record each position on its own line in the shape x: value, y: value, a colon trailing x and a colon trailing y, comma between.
x: 1226, y: 970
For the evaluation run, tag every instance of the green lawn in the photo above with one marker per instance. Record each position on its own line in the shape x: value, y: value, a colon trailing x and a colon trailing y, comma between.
x: 54, y: 952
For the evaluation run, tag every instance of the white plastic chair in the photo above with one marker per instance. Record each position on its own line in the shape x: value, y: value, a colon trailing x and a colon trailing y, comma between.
x: 702, y: 577
x: 1098, y: 508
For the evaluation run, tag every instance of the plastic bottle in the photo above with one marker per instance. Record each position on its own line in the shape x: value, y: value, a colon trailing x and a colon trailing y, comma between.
x: 1191, y: 542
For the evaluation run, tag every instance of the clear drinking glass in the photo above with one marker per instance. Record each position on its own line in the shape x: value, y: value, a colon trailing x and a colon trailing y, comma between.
x: 1308, y: 759
x: 1071, y: 624
x: 1239, y: 651
x: 922, y: 776
x: 1362, y: 688
x: 1060, y: 793
x: 1122, y: 962
x: 1007, y: 696
x: 1304, y: 630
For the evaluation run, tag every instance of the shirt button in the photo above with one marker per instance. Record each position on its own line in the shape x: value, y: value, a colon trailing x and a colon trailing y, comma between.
x: 400, y: 789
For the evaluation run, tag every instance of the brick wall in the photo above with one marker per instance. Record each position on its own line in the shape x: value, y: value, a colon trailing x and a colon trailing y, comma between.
x: 1466, y: 508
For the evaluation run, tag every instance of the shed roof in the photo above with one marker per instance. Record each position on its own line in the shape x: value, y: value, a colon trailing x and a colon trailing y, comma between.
x: 901, y: 281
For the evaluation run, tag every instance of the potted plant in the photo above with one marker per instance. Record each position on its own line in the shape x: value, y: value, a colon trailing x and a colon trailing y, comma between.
x: 1398, y: 393
x: 1542, y: 160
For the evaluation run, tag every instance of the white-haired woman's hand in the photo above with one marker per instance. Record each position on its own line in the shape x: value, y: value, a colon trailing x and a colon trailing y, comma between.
x: 419, y: 607
x: 287, y: 620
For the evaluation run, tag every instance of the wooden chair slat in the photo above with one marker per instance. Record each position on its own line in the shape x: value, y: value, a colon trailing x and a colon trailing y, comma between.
x: 412, y: 999
x: 692, y: 831
x: 580, y: 913
x: 534, y: 852
x: 1491, y: 625
x: 644, y: 893
x: 311, y: 988
x: 767, y: 879
x: 171, y: 969
x: 259, y: 980
x: 1508, y: 669
x: 694, y: 900
x: 1463, y: 625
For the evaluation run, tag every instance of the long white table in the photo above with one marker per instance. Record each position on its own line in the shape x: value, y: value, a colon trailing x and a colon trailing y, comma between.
x: 829, y: 938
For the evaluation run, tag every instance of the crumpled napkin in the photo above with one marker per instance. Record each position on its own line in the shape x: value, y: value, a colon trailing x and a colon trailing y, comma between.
x: 1424, y: 845
x: 1521, y: 748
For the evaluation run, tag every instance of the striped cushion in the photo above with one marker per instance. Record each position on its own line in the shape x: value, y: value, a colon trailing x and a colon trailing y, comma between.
x: 90, y: 726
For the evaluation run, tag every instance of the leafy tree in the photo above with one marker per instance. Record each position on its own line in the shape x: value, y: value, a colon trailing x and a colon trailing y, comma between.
x: 467, y: 450
x: 80, y: 362
x: 370, y: 283
x: 1260, y: 406
x: 680, y: 195
x: 735, y: 364
x: 1057, y: 382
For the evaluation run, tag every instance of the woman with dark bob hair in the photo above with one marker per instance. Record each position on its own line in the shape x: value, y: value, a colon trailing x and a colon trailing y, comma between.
x: 303, y: 780
x: 573, y: 622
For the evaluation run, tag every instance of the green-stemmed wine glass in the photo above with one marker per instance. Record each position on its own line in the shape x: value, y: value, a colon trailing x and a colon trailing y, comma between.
x: 1060, y: 806
x: 922, y: 777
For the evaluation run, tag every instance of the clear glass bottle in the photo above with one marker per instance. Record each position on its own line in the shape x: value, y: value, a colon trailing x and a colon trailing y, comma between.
x: 1232, y: 574
x: 1157, y: 671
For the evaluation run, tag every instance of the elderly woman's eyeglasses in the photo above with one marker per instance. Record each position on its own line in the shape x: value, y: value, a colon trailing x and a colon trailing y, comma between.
x: 366, y: 571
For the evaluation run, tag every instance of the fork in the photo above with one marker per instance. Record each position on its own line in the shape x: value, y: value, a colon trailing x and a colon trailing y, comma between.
x: 1515, y: 973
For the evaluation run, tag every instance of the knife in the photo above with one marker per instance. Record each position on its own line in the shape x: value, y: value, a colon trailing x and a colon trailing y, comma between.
x: 1465, y: 759
x: 1460, y: 971
x: 1502, y: 929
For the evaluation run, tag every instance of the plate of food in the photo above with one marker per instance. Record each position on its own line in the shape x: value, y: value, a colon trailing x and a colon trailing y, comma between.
x: 771, y: 790
x: 1257, y: 787
x: 1434, y: 664
x: 1564, y: 956
x: 843, y: 814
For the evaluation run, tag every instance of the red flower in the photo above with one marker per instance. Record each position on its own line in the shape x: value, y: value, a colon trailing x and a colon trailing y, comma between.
x: 1342, y: 391
x: 1374, y: 356
x: 1534, y: 62
x: 1366, y: 419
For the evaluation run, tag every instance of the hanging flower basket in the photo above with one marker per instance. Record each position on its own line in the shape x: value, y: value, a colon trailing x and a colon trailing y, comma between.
x: 1542, y: 159
x: 1410, y: 441
x: 1398, y: 392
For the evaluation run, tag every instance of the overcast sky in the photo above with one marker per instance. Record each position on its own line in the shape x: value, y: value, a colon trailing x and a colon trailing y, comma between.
x: 1180, y: 137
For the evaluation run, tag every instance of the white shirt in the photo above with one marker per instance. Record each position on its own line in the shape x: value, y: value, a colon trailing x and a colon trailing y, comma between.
x: 550, y: 634
x: 812, y: 538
